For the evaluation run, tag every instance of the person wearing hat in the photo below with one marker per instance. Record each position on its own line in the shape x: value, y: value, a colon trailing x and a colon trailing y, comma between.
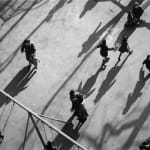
x: 124, y: 47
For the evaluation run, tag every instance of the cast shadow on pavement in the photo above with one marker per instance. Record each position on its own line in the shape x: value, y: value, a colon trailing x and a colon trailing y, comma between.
x: 92, y: 3
x: 20, y: 18
x: 61, y: 142
x: 135, y: 126
x: 17, y: 84
x: 94, y: 37
x: 110, y: 80
x: 132, y: 97
x: 4, y: 64
x: 59, y: 5
x: 86, y: 89
x: 129, y: 31
x: 88, y: 6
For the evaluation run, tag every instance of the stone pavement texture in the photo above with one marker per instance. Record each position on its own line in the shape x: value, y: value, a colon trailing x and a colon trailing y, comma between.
x: 65, y: 33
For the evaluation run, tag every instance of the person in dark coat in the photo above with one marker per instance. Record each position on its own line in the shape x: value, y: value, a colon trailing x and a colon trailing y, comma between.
x: 82, y: 115
x: 124, y: 47
x: 29, y: 50
x: 104, y: 51
x: 26, y: 48
x: 146, y: 62
x: 137, y: 11
x: 76, y: 99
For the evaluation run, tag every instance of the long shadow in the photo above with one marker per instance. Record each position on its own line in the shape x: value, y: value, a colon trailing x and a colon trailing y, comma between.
x: 59, y: 5
x: 86, y: 89
x: 8, y: 12
x: 3, y: 5
x: 113, y: 1
x: 110, y: 24
x: 92, y: 3
x: 24, y: 7
x: 132, y: 97
x: 93, y: 38
x: 61, y: 142
x: 109, y: 81
x: 88, y: 6
x: 8, y: 61
x: 49, y: 16
x: 129, y: 31
x: 20, y: 18
x: 135, y: 125
x: 17, y: 84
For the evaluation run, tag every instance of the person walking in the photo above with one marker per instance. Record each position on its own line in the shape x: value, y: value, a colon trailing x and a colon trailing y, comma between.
x: 104, y: 52
x: 124, y: 47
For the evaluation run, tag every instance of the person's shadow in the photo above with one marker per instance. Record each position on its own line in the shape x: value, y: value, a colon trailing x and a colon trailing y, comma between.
x: 132, y: 97
x: 17, y: 84
x: 61, y: 142
x: 110, y: 80
x: 92, y: 38
x: 88, y: 6
x: 86, y: 89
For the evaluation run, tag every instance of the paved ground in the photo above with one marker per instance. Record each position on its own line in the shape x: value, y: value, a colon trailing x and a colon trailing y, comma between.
x: 65, y: 34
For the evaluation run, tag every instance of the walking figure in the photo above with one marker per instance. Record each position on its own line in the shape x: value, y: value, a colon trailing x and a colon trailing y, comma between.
x: 82, y: 115
x: 30, y: 53
x: 104, y: 52
x: 26, y: 48
x: 124, y: 47
x: 146, y: 62
x: 76, y: 99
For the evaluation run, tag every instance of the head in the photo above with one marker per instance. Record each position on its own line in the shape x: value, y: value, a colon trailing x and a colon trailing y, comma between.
x: 136, y: 4
x: 72, y: 93
x: 27, y: 41
x: 104, y: 41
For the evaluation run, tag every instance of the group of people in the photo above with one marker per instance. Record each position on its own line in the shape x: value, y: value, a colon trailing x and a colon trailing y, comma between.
x: 76, y: 98
x: 124, y: 47
x: 133, y: 15
x: 30, y: 52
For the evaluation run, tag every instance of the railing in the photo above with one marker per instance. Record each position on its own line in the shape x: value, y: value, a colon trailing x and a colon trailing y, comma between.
x: 32, y: 114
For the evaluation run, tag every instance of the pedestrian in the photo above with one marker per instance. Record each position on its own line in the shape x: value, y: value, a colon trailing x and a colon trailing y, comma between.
x: 76, y: 99
x: 137, y: 10
x: 124, y: 47
x: 26, y: 47
x: 146, y: 62
x: 32, y: 49
x: 104, y: 51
